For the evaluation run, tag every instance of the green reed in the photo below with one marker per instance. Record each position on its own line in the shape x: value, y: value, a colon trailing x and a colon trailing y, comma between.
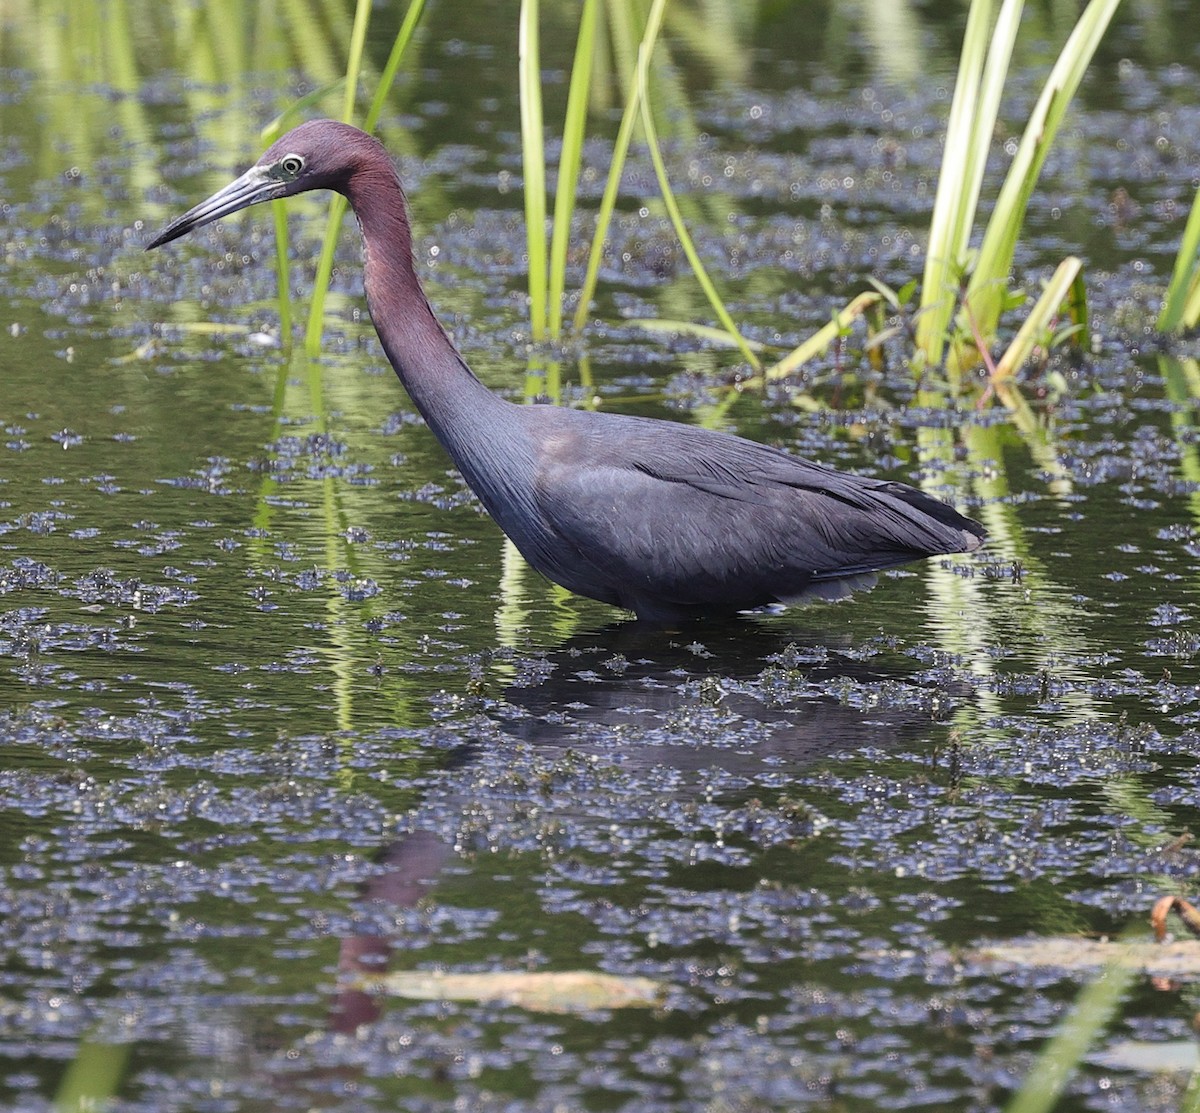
x: 965, y: 292
x: 971, y: 287
x: 681, y: 232
x: 1061, y: 1055
x: 548, y: 265
x: 337, y: 205
x: 1181, y: 306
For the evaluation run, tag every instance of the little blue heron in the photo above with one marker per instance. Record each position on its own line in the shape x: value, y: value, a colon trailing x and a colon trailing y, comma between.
x: 669, y: 521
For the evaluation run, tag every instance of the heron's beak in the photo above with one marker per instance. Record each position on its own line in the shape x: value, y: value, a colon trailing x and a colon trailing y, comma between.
x: 252, y: 187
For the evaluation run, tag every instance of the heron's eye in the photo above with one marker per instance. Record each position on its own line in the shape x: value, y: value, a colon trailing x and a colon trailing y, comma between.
x: 290, y: 166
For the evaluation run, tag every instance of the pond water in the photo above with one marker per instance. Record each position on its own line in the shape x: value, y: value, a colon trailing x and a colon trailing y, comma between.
x: 281, y: 712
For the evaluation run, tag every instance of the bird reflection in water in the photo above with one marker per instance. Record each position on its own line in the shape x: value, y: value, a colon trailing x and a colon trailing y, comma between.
x: 746, y: 699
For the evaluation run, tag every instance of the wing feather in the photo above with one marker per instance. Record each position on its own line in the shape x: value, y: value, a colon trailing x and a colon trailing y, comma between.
x: 706, y: 517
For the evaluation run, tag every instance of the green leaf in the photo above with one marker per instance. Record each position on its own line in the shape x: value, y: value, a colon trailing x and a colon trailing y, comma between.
x: 533, y: 163
x: 574, y: 125
x: 820, y: 340
x: 984, y: 291
x: 337, y: 206
x: 616, y: 167
x: 982, y: 68
x: 681, y: 232
x: 388, y: 77
x: 1181, y: 307
x: 1038, y: 321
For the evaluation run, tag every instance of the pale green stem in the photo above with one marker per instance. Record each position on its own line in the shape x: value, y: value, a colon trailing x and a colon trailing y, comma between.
x: 533, y: 162
x: 617, y: 165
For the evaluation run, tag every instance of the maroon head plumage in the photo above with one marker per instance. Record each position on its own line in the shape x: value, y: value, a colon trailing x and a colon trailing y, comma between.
x: 319, y: 154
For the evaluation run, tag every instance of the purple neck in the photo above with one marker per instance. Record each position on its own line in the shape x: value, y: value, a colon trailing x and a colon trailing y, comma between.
x: 467, y: 418
x: 424, y: 357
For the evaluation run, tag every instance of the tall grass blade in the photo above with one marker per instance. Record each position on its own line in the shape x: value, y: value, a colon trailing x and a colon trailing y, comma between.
x: 358, y: 42
x: 1181, y: 308
x: 283, y: 295
x: 316, y: 306
x: 387, y: 78
x: 986, y: 289
x: 823, y: 337
x: 1191, y: 311
x: 987, y: 109
x: 569, y: 160
x: 982, y: 68
x: 622, y: 34
x: 1059, y: 1059
x: 533, y: 163
x: 685, y: 239
x: 337, y: 206
x: 1077, y: 309
x: 93, y: 1077
x: 283, y: 121
x: 269, y: 134
x: 616, y: 167
x: 1034, y: 327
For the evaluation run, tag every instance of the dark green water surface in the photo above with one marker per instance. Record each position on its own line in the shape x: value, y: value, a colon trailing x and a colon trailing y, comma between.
x: 279, y: 706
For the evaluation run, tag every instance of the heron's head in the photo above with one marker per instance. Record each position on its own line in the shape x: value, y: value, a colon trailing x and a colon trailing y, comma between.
x: 319, y: 154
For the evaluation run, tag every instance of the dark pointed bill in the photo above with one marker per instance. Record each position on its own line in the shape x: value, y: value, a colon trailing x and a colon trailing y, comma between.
x: 252, y: 187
